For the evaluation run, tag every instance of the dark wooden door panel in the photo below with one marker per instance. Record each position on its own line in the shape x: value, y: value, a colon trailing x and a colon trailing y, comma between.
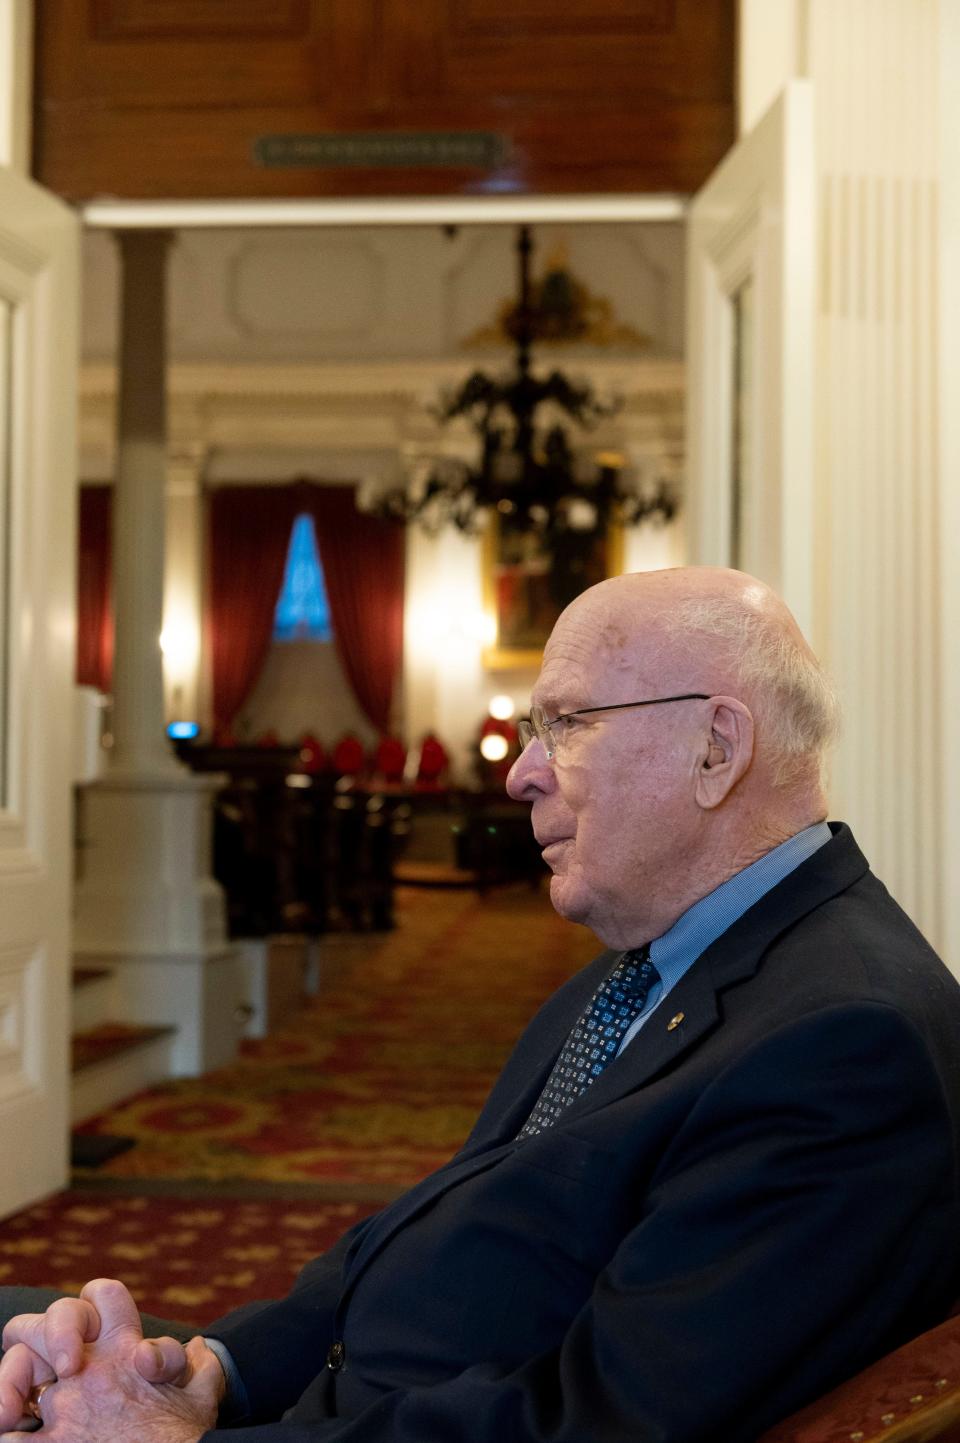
x: 153, y: 98
x: 115, y: 55
x: 614, y: 51
x: 190, y: 19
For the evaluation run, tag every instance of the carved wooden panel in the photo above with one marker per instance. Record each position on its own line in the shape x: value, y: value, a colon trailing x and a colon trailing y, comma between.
x: 152, y: 98
x: 544, y: 17
x: 181, y: 19
x: 616, y: 52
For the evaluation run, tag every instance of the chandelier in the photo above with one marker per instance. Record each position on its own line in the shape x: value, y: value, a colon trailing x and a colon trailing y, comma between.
x: 526, y: 470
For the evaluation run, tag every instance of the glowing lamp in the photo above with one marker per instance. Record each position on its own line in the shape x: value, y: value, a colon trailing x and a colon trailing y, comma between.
x: 494, y: 747
x: 502, y: 707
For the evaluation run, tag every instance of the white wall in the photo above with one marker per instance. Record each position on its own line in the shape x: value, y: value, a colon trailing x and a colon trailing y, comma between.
x: 875, y: 70
x: 886, y: 601
x: 16, y: 63
x: 947, y: 550
x: 770, y: 51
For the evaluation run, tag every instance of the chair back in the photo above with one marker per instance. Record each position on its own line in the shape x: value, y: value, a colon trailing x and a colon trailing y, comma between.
x: 910, y: 1396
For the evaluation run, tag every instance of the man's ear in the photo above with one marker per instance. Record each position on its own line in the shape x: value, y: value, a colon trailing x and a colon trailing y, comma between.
x: 727, y: 753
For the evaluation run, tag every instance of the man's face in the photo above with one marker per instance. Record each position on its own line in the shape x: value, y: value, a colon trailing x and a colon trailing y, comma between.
x: 614, y: 811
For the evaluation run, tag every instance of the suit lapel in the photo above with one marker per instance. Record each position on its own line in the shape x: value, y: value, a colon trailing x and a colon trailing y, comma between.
x: 686, y: 1015
x: 693, y: 1008
x: 696, y: 999
x: 522, y: 1080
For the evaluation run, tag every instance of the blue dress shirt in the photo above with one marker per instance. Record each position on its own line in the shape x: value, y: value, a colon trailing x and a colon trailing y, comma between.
x: 691, y: 935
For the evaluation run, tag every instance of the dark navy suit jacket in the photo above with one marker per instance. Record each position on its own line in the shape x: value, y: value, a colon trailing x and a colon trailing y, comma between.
x: 747, y: 1206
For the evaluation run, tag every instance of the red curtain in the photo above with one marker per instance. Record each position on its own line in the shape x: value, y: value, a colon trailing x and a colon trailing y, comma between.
x: 363, y: 566
x: 94, y: 666
x: 248, y: 535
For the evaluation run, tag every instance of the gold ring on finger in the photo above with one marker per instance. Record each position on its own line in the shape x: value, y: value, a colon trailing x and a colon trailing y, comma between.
x: 34, y: 1398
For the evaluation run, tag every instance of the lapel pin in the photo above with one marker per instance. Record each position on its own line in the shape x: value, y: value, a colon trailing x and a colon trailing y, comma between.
x: 674, y: 1022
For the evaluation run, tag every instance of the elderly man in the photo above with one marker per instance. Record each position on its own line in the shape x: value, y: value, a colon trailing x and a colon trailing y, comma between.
x: 720, y: 1170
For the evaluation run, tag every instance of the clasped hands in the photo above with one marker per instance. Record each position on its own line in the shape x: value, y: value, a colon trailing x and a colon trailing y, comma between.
x: 108, y: 1383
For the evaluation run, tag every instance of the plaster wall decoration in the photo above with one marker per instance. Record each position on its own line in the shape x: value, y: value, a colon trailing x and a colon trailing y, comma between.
x: 201, y: 323
x: 622, y: 286
x: 354, y: 421
x: 473, y: 252
x: 338, y: 465
x: 330, y: 288
x: 385, y: 294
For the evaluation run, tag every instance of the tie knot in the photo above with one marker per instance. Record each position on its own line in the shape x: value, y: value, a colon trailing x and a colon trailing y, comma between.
x: 637, y: 972
x: 636, y: 956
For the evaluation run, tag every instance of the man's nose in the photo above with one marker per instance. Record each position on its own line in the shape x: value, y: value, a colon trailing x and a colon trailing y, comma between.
x: 531, y: 774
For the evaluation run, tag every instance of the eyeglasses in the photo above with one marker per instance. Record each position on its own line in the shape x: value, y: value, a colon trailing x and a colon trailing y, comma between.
x: 538, y: 726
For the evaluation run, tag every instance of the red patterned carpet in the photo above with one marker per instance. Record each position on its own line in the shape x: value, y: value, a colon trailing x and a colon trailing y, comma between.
x: 190, y: 1259
x: 238, y: 1177
x: 379, y: 1080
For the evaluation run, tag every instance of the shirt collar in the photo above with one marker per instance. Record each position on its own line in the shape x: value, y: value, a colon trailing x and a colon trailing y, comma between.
x: 707, y: 919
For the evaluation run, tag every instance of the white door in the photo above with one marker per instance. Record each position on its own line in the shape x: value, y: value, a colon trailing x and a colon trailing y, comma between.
x: 750, y: 326
x: 39, y: 292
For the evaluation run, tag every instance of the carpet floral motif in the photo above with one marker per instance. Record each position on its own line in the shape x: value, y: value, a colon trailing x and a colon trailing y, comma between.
x: 189, y: 1259
x: 380, y: 1078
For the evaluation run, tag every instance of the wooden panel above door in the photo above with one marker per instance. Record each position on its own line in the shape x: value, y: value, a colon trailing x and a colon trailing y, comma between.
x: 173, y: 98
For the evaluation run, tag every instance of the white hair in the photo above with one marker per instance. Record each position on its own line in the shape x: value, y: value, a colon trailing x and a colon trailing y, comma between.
x: 794, y: 704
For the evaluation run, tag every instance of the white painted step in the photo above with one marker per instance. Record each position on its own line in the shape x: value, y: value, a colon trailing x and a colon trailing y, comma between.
x: 129, y: 1060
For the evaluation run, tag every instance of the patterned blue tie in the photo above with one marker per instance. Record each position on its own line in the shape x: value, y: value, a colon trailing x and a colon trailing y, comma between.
x: 595, y: 1037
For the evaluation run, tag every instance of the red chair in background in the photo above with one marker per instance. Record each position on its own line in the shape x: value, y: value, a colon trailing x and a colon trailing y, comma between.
x: 433, y: 765
x: 910, y: 1396
x: 313, y: 758
x: 389, y: 759
x: 348, y: 757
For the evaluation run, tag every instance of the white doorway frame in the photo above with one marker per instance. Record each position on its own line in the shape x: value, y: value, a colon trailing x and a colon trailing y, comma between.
x: 752, y: 224
x: 385, y: 211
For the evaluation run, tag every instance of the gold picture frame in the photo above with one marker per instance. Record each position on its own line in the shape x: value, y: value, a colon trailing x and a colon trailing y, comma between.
x: 527, y: 583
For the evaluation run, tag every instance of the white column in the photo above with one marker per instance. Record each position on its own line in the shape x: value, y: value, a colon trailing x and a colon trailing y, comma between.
x: 146, y: 903
x: 140, y: 746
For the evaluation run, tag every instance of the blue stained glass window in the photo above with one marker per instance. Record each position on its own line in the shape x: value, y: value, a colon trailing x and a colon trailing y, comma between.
x: 303, y: 612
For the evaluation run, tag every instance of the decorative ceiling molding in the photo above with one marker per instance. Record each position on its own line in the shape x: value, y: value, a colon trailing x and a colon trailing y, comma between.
x: 357, y: 409
x: 405, y: 381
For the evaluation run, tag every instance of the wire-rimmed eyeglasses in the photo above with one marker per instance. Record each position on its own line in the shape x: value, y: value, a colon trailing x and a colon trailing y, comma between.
x: 536, y: 725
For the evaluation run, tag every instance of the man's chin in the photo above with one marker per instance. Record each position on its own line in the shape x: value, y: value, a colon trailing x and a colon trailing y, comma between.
x: 567, y: 898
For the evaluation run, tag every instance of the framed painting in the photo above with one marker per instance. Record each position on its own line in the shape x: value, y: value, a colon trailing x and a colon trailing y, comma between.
x: 529, y: 578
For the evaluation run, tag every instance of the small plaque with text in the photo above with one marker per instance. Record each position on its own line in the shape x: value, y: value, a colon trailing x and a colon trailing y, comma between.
x: 480, y: 149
